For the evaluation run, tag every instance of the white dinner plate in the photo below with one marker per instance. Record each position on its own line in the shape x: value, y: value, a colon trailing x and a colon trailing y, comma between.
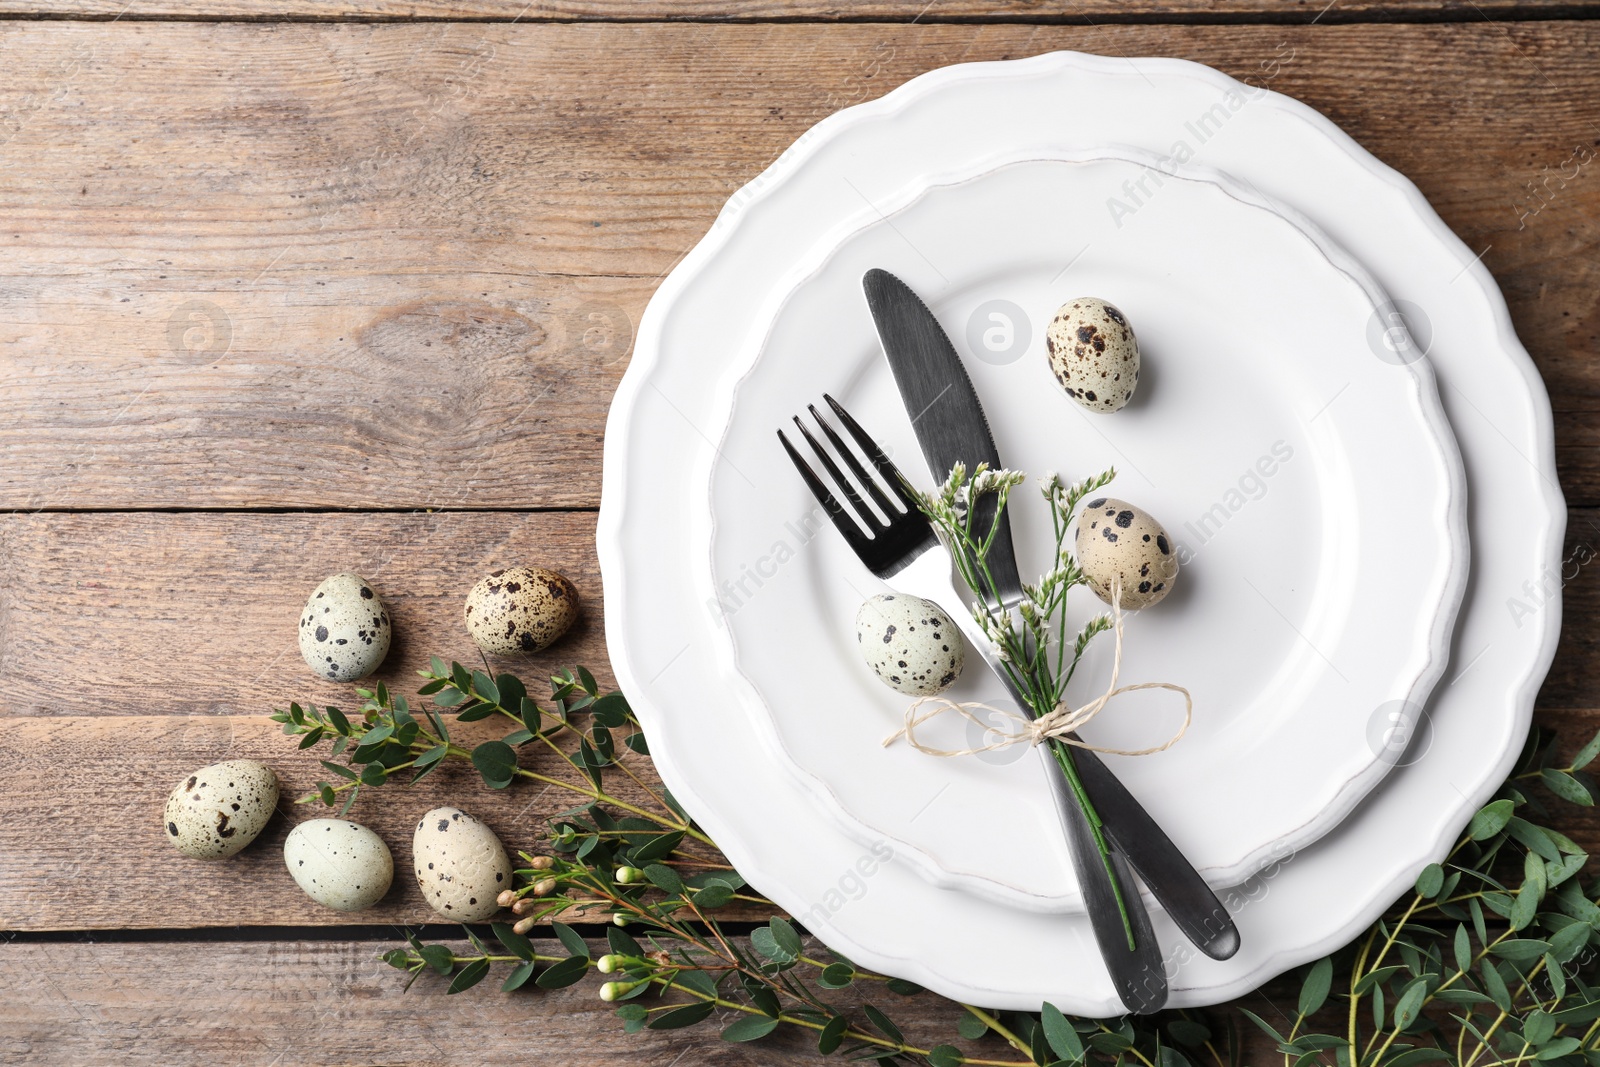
x: 709, y: 750
x: 1327, y: 592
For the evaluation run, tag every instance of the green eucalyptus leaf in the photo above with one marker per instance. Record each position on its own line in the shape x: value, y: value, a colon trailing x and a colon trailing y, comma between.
x: 1415, y: 1057
x: 519, y: 976
x: 1490, y: 820
x: 970, y: 1026
x: 1059, y: 1033
x: 840, y: 975
x: 881, y: 1021
x: 784, y: 935
x: 622, y: 942
x: 750, y: 1028
x: 1525, y: 907
x: 945, y: 1056
x: 496, y: 762
x: 688, y: 1015
x: 664, y: 878
x: 1587, y: 753
x: 1314, y: 990
x: 1567, y: 787
x: 564, y: 973
x: 1495, y: 985
x: 698, y: 982
x: 485, y: 688
x: 517, y: 944
x: 832, y: 1035
x: 1430, y: 881
x: 610, y: 710
x: 1538, y: 1027
x: 1185, y: 1032
x: 1534, y: 837
x: 715, y: 895
x: 570, y: 939
x: 1409, y: 1006
x: 468, y: 976
x: 1521, y: 950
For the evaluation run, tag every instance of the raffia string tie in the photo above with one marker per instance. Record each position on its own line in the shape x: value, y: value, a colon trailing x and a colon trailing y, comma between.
x: 1059, y: 723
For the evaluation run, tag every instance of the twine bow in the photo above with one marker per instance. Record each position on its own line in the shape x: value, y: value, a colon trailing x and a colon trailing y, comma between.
x: 1058, y: 723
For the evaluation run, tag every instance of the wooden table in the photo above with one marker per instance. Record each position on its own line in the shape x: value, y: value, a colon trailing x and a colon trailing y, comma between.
x: 295, y: 286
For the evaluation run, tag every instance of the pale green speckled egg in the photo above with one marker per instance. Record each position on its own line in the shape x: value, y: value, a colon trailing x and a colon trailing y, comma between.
x: 340, y: 864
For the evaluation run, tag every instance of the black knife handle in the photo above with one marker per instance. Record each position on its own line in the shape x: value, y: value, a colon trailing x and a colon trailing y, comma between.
x: 1172, y: 879
x: 1138, y: 973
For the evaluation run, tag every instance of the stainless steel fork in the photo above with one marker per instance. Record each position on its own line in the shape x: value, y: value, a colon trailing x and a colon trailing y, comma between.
x: 898, y: 544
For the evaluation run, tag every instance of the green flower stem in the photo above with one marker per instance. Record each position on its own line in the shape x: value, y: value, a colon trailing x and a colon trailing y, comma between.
x: 994, y: 1024
x: 853, y: 1034
x: 1025, y: 656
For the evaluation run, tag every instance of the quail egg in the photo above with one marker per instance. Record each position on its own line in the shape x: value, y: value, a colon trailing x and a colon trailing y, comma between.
x: 1116, y: 540
x: 218, y: 810
x: 1093, y: 353
x: 520, y: 609
x: 344, y: 629
x: 910, y: 643
x: 340, y: 864
x: 460, y: 864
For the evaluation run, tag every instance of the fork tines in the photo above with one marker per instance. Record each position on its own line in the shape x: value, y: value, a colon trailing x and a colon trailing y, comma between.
x: 887, y: 541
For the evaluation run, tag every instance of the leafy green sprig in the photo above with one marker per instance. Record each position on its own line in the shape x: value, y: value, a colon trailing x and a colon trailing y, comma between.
x: 387, y: 738
x: 1491, y: 960
x: 1030, y: 641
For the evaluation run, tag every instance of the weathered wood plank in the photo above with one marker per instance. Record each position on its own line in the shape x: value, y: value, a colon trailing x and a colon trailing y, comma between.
x: 333, y: 1003
x: 1088, y: 12
x: 83, y: 846
x: 139, y: 613
x: 427, y: 244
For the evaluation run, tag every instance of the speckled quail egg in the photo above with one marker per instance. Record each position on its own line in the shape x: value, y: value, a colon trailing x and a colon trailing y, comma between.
x: 520, y: 609
x: 1117, y: 540
x: 1093, y: 353
x: 910, y: 643
x: 340, y: 864
x: 218, y: 810
x: 344, y: 629
x: 460, y: 863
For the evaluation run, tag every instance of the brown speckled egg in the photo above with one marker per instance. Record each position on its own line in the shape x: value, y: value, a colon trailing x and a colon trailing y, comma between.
x: 520, y: 609
x: 218, y: 810
x: 344, y: 629
x: 461, y: 865
x: 1093, y: 353
x: 910, y: 643
x: 1116, y: 539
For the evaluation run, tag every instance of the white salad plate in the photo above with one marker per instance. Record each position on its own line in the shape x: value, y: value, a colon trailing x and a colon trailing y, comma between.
x: 1328, y: 592
x: 663, y: 642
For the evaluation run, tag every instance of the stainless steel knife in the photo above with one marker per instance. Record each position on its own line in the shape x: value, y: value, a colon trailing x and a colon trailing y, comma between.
x: 951, y: 427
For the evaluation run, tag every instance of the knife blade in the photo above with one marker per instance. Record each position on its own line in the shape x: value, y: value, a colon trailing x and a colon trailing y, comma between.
x: 951, y: 427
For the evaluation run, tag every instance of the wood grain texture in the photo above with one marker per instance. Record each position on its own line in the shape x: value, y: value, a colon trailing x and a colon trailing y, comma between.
x: 427, y: 246
x: 137, y: 613
x: 924, y: 11
x: 82, y: 846
x: 333, y: 1002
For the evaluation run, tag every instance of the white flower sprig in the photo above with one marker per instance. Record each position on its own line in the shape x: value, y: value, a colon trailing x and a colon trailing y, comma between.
x: 1030, y: 644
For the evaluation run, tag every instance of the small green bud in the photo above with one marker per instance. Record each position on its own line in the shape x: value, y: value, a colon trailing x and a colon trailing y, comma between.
x: 619, y: 919
x: 629, y: 875
x: 608, y: 963
x: 616, y: 990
